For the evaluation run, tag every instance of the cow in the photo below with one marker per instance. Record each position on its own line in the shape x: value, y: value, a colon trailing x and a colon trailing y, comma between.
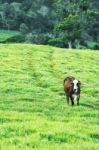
x: 72, y: 89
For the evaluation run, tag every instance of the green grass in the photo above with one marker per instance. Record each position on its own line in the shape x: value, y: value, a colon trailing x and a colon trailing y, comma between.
x: 5, y: 35
x: 33, y: 110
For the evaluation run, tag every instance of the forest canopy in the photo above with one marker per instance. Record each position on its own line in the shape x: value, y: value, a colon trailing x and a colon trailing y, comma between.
x: 63, y: 23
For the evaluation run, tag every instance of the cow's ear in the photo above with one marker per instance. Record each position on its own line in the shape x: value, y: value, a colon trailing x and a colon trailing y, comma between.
x: 79, y: 82
x: 72, y: 83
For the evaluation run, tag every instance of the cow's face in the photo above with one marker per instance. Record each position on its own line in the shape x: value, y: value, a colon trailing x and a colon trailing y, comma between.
x: 76, y: 85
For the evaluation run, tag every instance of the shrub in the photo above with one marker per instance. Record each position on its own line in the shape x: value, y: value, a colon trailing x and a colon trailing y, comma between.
x: 39, y: 38
x: 93, y: 45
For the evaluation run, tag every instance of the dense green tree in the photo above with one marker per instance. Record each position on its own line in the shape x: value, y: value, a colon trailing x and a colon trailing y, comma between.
x: 77, y: 19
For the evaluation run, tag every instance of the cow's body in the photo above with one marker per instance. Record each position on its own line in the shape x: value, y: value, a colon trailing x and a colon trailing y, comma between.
x: 72, y: 89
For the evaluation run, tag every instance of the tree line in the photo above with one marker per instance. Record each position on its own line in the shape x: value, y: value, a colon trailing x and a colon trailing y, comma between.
x: 63, y: 23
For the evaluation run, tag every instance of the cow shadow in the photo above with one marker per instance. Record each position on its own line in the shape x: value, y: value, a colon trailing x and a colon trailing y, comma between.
x: 91, y: 105
x: 95, y: 136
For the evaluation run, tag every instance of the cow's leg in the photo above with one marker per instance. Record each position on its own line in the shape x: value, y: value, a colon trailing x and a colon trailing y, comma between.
x: 78, y: 100
x: 72, y: 101
x: 67, y: 99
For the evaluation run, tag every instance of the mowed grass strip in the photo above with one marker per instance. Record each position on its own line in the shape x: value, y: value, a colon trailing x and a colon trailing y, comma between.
x: 33, y: 109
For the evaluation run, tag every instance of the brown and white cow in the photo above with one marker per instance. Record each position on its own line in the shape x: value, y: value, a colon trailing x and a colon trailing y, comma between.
x: 72, y: 89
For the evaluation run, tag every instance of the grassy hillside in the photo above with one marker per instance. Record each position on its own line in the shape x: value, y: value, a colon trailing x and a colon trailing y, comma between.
x: 33, y: 110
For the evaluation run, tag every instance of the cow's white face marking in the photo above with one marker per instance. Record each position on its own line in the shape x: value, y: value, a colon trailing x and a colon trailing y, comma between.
x: 75, y: 82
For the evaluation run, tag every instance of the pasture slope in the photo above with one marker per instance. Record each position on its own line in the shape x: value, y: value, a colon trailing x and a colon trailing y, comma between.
x: 33, y: 111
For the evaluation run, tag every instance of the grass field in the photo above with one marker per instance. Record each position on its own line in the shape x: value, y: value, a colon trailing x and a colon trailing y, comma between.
x: 33, y: 111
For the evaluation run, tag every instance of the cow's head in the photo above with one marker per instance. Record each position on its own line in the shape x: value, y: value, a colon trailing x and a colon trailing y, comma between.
x: 76, y: 85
